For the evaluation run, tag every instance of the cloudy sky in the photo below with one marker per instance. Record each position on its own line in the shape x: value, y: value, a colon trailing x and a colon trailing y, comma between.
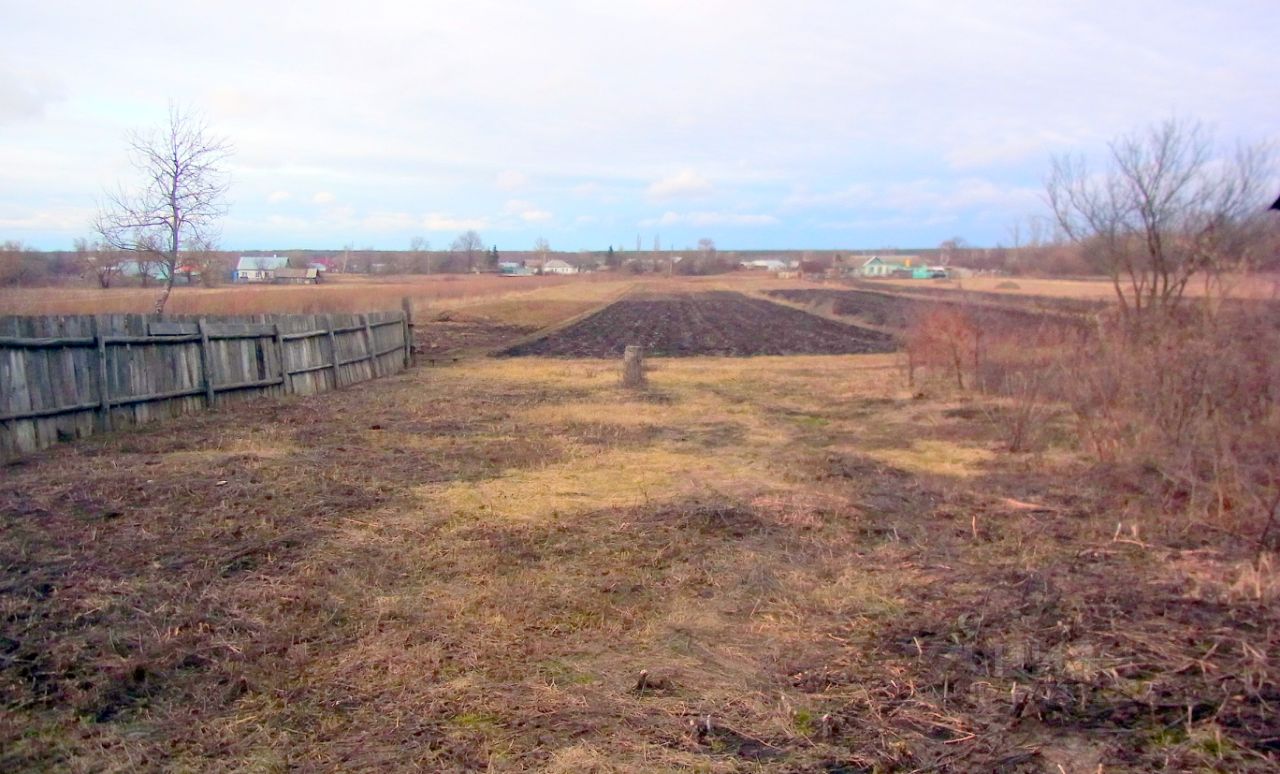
x: 589, y: 123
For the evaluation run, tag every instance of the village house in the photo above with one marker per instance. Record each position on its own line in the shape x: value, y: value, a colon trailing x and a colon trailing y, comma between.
x: 557, y: 266
x: 900, y: 266
x: 148, y: 270
x: 259, y: 268
x: 513, y: 269
x: 766, y: 264
x: 288, y: 276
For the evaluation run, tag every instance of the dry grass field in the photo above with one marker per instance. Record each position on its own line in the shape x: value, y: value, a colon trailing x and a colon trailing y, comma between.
x: 1257, y: 286
x: 782, y: 564
x: 342, y: 293
x: 768, y: 564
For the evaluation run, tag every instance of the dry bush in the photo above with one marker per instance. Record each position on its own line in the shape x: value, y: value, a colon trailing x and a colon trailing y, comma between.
x: 943, y: 339
x: 1194, y: 402
x: 1022, y: 376
x: 1010, y: 358
x: 1183, y: 410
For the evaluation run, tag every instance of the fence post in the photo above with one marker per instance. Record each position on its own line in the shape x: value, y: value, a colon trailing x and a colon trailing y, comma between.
x: 368, y: 346
x: 633, y: 366
x: 286, y: 383
x: 407, y: 330
x: 104, y: 386
x: 206, y: 361
x: 333, y: 348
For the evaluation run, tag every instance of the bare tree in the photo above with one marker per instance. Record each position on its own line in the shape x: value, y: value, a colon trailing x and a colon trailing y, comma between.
x: 420, y: 248
x: 1167, y: 206
x: 953, y: 250
x: 179, y: 197
x: 105, y: 263
x: 14, y: 266
x: 542, y: 248
x: 707, y: 246
x: 201, y: 255
x: 469, y: 245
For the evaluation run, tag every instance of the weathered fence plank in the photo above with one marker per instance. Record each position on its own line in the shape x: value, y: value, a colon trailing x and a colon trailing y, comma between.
x: 100, y: 368
x: 66, y: 377
x: 206, y: 362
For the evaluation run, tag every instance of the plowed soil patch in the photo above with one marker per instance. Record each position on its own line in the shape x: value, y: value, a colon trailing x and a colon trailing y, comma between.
x: 714, y: 323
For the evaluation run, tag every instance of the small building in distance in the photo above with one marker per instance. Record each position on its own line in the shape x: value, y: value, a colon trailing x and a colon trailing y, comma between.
x: 900, y: 267
x: 765, y: 264
x: 557, y: 266
x: 513, y: 269
x: 259, y: 268
x: 146, y: 270
x: 288, y: 276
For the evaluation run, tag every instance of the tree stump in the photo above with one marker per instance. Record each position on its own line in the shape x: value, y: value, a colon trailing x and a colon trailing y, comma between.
x: 633, y: 366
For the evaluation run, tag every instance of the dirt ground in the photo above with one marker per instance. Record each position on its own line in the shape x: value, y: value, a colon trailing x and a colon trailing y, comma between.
x: 772, y: 564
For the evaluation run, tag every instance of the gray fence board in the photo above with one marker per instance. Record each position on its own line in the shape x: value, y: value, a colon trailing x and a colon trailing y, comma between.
x: 65, y: 377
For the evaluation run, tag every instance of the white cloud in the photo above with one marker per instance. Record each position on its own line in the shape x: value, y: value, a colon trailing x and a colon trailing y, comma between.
x: 440, y: 221
x: 389, y: 221
x: 894, y: 222
x: 526, y: 211
x: 710, y: 219
x: 276, y: 197
x: 288, y: 223
x: 685, y: 183
x: 511, y: 180
x: 850, y: 196
x: 26, y: 93
x: 934, y: 108
x: 343, y: 212
x: 75, y: 219
x: 921, y: 195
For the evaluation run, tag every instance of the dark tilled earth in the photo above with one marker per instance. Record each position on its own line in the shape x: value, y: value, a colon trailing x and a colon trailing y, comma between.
x: 712, y: 323
x: 894, y: 311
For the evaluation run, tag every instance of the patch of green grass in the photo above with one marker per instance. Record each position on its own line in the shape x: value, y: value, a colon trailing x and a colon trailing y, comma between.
x: 1168, y: 736
x: 474, y: 720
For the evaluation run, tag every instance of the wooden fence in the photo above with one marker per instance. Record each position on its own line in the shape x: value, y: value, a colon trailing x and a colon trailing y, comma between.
x: 67, y: 377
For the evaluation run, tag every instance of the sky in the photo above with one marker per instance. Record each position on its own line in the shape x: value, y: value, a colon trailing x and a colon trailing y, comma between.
x: 759, y: 125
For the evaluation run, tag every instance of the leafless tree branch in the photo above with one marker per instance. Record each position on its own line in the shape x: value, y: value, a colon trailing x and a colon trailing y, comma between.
x: 179, y: 198
x: 1168, y: 206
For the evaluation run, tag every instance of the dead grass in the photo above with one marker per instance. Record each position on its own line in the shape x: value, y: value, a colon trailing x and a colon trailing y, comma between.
x: 342, y: 293
x: 774, y: 564
x: 1260, y: 286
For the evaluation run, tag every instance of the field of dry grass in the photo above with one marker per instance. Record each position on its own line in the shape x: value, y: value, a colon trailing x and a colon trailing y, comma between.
x: 771, y: 564
x: 361, y: 294
x: 1253, y: 286
x: 342, y: 293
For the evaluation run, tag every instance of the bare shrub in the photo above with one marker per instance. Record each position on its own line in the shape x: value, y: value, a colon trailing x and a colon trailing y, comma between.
x: 1020, y: 367
x: 1006, y: 357
x: 1184, y: 410
x: 1194, y: 400
x: 942, y: 340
